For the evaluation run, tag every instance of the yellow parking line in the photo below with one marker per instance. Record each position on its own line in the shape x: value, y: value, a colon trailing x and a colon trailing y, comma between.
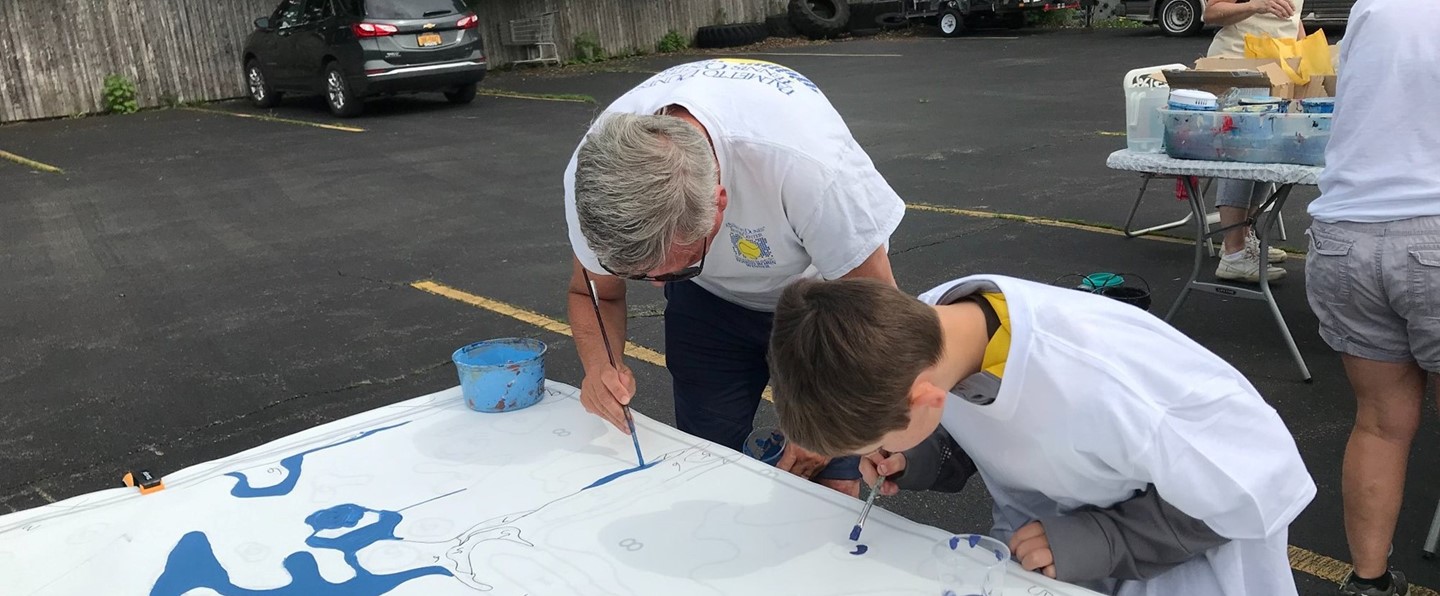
x: 1110, y: 133
x: 1055, y: 223
x: 1330, y: 569
x: 1041, y: 221
x: 562, y: 97
x: 30, y: 163
x: 820, y: 54
x: 277, y: 119
x: 632, y: 349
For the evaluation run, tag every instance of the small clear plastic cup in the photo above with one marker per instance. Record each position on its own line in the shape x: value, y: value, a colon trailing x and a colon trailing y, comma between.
x: 971, y: 565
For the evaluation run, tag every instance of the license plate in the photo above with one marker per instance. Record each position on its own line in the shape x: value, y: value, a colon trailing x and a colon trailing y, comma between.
x: 426, y: 40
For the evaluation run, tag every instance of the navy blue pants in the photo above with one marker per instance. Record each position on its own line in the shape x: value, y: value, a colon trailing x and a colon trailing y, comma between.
x: 716, y: 352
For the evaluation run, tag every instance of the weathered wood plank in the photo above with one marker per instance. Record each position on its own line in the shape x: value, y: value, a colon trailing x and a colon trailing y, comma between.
x: 55, y: 54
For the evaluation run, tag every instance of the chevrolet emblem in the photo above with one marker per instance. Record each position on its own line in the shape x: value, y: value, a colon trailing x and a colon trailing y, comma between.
x: 428, y: 26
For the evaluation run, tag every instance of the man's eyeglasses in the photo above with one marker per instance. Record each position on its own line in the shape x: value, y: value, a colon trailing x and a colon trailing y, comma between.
x: 681, y: 275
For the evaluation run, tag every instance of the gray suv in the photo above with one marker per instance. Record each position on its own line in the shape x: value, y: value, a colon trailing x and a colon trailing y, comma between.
x: 351, y: 49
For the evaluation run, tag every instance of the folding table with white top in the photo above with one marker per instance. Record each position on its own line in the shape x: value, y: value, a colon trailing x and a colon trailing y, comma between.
x: 1284, y: 176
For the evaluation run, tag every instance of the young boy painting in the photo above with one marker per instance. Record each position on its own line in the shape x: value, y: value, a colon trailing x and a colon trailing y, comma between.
x: 1121, y: 455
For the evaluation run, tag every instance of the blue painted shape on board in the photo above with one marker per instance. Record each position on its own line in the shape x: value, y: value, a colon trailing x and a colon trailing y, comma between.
x: 292, y: 465
x: 619, y: 474
x: 192, y: 563
x: 859, y: 549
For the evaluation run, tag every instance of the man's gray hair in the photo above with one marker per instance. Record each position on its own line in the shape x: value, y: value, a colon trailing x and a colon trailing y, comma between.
x: 641, y: 184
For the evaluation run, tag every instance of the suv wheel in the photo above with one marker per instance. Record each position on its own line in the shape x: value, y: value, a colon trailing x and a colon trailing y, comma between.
x: 463, y: 94
x: 1180, y: 18
x: 338, y: 97
x: 951, y: 22
x: 262, y: 95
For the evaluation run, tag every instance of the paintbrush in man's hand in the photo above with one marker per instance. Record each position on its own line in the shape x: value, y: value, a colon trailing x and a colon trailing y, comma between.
x: 605, y: 337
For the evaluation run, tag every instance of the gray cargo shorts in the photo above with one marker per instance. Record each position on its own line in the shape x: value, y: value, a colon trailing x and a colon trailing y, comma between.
x: 1376, y: 288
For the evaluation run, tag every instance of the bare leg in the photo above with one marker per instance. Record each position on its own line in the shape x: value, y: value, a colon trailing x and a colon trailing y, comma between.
x: 1388, y: 397
x: 1235, y: 237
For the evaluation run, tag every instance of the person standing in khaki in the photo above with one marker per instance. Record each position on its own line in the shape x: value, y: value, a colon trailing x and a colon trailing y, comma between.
x: 1234, y: 199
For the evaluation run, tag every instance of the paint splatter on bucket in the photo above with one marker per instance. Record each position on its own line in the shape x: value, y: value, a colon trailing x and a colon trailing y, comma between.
x: 765, y: 444
x: 501, y: 375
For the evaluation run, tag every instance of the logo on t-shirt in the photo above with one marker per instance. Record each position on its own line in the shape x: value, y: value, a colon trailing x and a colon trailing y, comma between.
x: 769, y: 74
x: 751, y: 247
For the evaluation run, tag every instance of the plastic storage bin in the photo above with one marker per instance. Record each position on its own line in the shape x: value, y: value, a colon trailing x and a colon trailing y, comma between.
x: 1247, y: 137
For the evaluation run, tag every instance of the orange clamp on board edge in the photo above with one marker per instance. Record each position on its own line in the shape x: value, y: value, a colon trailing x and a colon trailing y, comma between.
x: 143, y: 480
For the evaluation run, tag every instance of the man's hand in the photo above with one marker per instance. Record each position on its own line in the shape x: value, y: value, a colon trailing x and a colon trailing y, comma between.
x: 605, y: 394
x: 849, y: 487
x: 882, y: 463
x: 1032, y: 549
x: 800, y: 462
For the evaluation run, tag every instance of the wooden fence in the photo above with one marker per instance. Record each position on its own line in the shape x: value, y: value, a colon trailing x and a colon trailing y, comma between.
x: 55, y: 54
x: 620, y: 26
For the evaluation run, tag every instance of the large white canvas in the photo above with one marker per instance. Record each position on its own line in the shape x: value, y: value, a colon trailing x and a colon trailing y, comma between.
x: 428, y: 497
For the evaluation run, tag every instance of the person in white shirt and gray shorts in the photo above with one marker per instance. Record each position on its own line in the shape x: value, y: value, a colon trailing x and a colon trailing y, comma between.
x: 1373, y: 271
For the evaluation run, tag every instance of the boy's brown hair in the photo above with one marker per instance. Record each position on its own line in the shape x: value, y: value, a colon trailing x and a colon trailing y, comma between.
x: 843, y: 356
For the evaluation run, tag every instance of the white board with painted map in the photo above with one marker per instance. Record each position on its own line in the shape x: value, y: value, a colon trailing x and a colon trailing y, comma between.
x: 428, y: 497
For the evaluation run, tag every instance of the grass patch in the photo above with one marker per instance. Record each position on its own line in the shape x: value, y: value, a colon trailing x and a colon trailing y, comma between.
x: 1118, y: 23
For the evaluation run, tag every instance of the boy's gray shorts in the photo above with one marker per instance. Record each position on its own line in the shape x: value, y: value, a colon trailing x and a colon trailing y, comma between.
x: 1376, y: 288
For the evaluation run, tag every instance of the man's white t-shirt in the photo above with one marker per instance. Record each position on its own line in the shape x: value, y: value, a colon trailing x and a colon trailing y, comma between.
x: 1383, y: 159
x: 804, y: 199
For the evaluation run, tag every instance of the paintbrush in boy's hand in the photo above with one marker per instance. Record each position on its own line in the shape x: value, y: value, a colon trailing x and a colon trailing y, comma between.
x: 865, y: 512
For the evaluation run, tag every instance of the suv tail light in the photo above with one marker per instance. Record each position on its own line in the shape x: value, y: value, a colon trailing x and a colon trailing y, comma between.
x: 469, y: 22
x: 373, y: 29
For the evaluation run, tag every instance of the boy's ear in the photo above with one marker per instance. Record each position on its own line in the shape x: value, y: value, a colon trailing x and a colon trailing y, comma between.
x: 924, y: 392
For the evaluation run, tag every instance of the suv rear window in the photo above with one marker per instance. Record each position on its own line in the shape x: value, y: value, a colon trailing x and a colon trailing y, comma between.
x: 413, y: 9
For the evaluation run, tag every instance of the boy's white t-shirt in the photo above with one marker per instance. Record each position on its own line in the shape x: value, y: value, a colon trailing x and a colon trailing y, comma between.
x: 1100, y: 399
x: 805, y: 200
x: 1383, y: 159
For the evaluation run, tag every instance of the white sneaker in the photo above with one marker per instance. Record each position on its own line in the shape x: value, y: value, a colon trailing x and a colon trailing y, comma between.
x: 1253, y: 244
x: 1245, y: 266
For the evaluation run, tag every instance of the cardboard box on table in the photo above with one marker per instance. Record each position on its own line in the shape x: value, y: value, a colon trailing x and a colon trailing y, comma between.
x: 1220, y: 75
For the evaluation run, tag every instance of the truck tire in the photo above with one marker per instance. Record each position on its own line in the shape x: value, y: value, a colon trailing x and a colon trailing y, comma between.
x: 779, y: 26
x: 951, y: 22
x: 729, y: 36
x: 892, y: 20
x: 819, y: 19
x: 1180, y: 18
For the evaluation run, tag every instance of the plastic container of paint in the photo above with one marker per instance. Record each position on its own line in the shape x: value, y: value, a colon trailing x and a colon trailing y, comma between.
x: 971, y: 565
x: 1145, y: 94
x: 501, y: 375
x: 1193, y: 100
x: 1318, y: 105
x: 765, y: 444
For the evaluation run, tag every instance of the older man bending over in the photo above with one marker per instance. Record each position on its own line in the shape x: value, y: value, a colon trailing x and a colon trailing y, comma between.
x: 724, y: 180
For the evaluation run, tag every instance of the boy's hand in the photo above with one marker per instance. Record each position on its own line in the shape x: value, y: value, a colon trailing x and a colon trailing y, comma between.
x: 1032, y: 549
x: 882, y: 463
x: 801, y: 462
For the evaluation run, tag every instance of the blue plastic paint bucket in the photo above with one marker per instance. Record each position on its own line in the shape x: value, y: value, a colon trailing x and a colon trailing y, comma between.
x: 765, y: 444
x: 501, y: 375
